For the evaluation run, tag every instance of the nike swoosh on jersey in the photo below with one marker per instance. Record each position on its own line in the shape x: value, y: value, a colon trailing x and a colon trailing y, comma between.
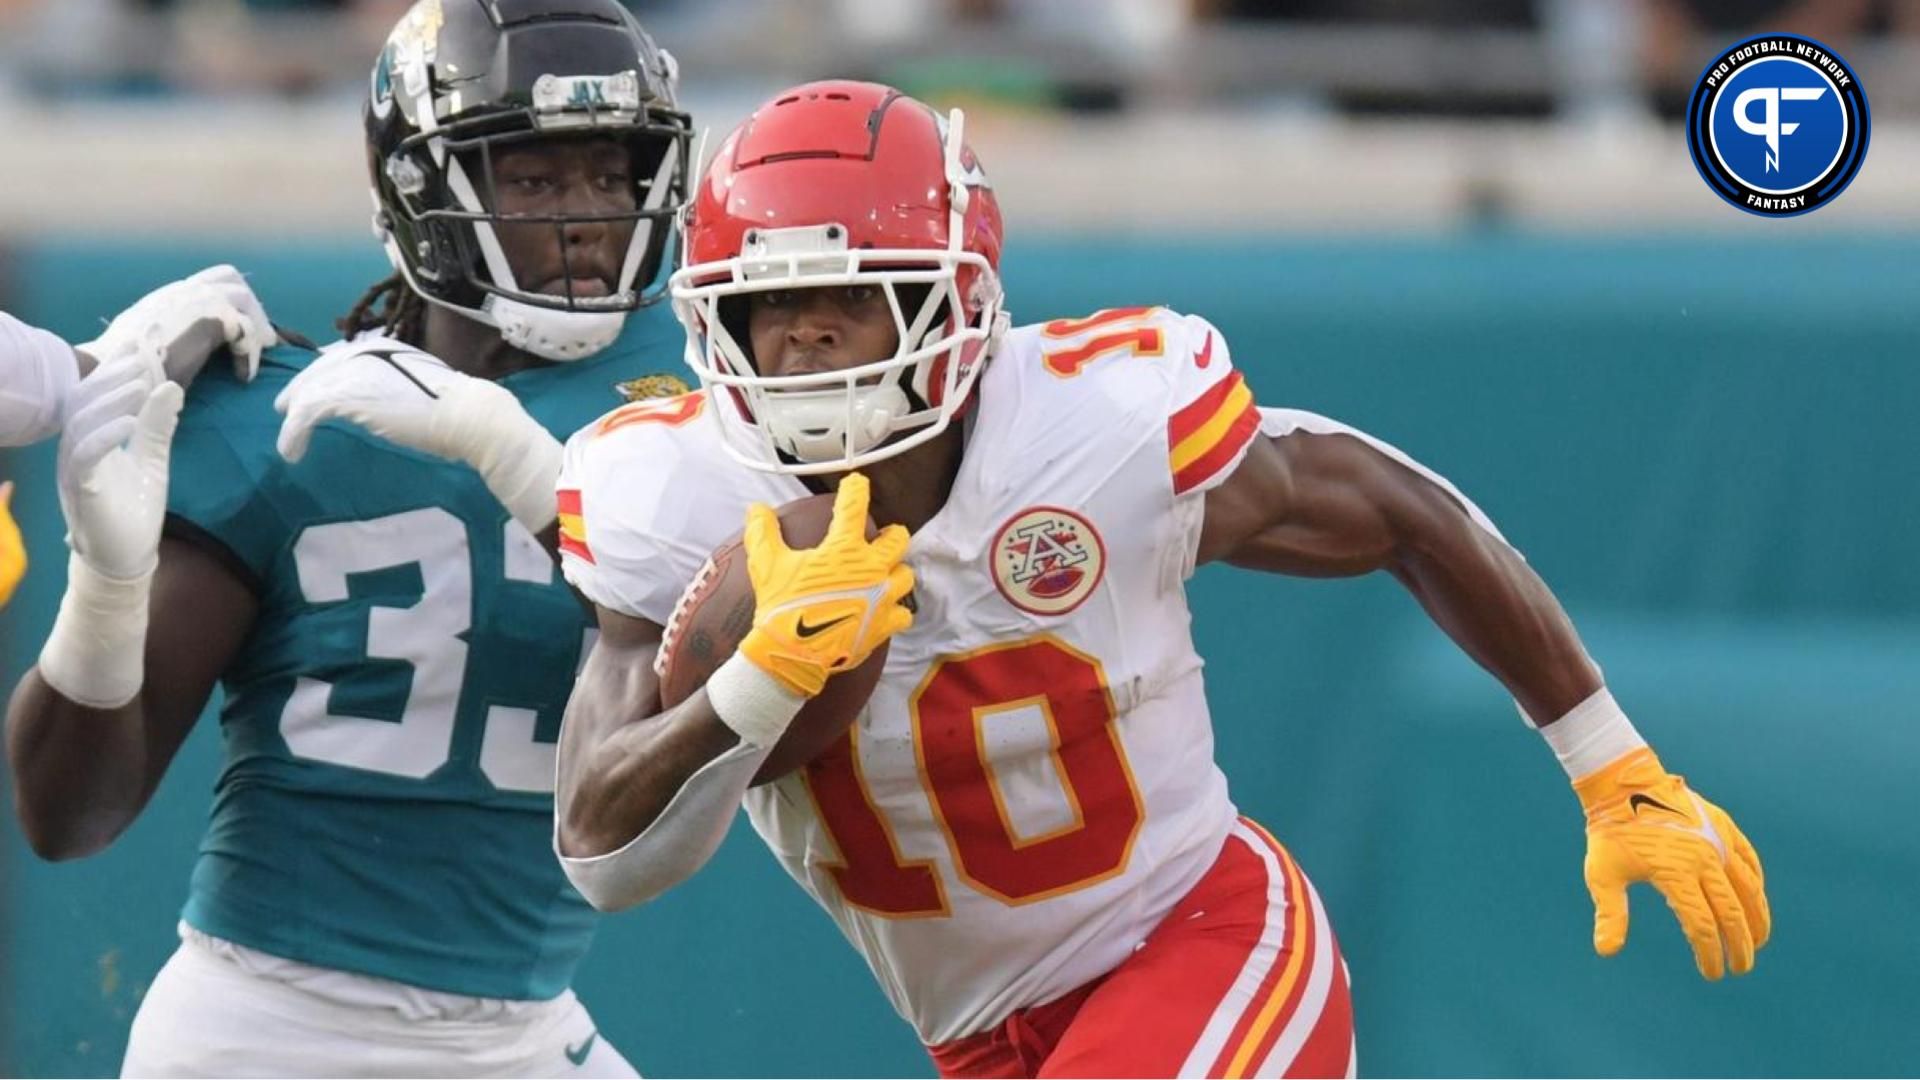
x: 579, y: 1055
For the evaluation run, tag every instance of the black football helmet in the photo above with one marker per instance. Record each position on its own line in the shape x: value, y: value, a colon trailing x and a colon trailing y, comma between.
x: 460, y: 78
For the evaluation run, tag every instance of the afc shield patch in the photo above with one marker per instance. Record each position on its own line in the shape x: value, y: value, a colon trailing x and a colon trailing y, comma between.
x: 1047, y: 561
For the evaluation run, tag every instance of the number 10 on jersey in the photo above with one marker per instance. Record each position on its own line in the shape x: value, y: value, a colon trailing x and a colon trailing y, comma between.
x: 949, y: 710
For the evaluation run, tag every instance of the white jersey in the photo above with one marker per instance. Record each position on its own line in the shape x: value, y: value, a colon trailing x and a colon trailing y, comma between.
x: 1032, y: 785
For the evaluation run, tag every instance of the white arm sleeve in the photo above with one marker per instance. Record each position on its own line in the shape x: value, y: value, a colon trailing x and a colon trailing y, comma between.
x: 37, y: 373
x: 678, y: 843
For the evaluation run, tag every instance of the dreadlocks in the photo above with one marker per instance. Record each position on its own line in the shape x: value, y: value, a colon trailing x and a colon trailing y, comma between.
x: 399, y: 315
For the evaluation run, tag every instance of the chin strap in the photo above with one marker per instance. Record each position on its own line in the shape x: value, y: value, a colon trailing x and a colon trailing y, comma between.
x: 550, y: 334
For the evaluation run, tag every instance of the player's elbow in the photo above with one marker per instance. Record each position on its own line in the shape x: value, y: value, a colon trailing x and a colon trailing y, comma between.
x: 608, y: 901
x: 630, y: 876
x: 57, y: 834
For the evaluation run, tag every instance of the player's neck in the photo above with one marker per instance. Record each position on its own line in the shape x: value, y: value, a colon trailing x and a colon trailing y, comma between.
x: 911, y: 488
x: 471, y: 347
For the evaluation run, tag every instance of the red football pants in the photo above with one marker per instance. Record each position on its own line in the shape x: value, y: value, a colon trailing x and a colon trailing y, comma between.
x: 1242, y: 978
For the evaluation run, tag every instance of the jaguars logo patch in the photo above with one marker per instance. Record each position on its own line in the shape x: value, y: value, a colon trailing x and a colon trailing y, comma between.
x: 409, y: 51
x: 1047, y: 561
x: 647, y: 387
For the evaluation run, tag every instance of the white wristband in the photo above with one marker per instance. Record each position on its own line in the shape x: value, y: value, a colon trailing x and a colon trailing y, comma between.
x: 519, y: 460
x: 96, y: 653
x: 752, y: 702
x: 36, y: 383
x: 1591, y: 735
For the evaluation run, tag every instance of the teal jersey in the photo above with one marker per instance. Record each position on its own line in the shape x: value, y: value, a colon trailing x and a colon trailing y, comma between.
x: 386, y: 805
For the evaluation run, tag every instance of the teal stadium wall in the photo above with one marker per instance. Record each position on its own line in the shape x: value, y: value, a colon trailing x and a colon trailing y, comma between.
x: 1707, y: 445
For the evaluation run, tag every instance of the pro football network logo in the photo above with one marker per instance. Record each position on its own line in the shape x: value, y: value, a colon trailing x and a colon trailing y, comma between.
x: 1778, y: 125
x: 1047, y: 561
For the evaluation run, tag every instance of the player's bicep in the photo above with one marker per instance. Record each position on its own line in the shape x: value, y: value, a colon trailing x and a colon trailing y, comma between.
x: 1308, y: 505
x: 1348, y: 504
x: 200, y: 615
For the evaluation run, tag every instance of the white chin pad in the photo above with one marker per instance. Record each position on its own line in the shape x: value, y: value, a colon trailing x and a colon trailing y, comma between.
x: 812, y: 425
x: 551, y: 334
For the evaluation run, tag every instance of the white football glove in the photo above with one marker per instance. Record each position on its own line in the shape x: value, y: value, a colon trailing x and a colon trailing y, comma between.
x: 414, y: 399
x: 185, y: 321
x: 113, y: 464
x: 112, y: 473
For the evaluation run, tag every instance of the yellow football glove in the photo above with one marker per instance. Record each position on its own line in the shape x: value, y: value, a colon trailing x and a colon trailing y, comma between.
x: 1644, y: 824
x: 13, y: 551
x: 824, y: 609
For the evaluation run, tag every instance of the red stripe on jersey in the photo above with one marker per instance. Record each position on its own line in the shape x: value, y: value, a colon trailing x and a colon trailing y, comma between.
x: 1245, y: 427
x: 573, y: 527
x: 1197, y: 412
x: 575, y: 547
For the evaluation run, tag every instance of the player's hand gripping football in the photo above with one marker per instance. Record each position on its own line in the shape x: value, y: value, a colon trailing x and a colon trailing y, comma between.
x: 414, y: 399
x: 1645, y: 824
x: 824, y: 609
x: 186, y: 321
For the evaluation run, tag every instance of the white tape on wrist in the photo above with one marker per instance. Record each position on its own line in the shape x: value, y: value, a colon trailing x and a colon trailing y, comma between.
x: 96, y: 653
x: 1591, y: 735
x: 36, y: 384
x: 751, y: 702
x: 520, y: 461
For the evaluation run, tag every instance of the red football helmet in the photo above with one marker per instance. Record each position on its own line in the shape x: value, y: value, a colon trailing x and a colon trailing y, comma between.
x: 833, y: 184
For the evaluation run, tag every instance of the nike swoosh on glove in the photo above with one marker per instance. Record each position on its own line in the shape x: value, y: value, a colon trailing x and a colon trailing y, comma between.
x: 1645, y: 824
x: 824, y: 609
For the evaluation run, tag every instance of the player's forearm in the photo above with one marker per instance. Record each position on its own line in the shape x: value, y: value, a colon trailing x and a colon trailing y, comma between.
x: 625, y: 781
x: 1492, y: 604
x: 652, y: 809
x: 79, y: 773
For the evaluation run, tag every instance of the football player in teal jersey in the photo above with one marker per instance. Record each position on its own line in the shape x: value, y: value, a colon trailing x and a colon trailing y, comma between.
x: 376, y: 893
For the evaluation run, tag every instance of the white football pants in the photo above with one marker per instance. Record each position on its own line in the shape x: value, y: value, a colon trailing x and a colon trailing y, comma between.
x: 218, y: 1009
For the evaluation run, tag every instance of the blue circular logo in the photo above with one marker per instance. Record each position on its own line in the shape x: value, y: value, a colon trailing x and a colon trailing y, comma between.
x: 1778, y: 125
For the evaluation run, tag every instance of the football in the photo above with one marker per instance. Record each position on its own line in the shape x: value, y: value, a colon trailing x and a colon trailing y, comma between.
x: 716, y: 611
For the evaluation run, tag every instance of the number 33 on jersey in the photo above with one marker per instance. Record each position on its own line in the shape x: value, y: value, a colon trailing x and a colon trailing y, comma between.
x: 396, y: 703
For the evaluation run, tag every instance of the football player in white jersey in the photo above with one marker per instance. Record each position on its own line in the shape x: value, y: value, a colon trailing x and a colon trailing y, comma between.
x: 1024, y: 833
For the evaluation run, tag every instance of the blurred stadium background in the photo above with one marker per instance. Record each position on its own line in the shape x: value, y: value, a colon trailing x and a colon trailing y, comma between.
x: 1468, y: 226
